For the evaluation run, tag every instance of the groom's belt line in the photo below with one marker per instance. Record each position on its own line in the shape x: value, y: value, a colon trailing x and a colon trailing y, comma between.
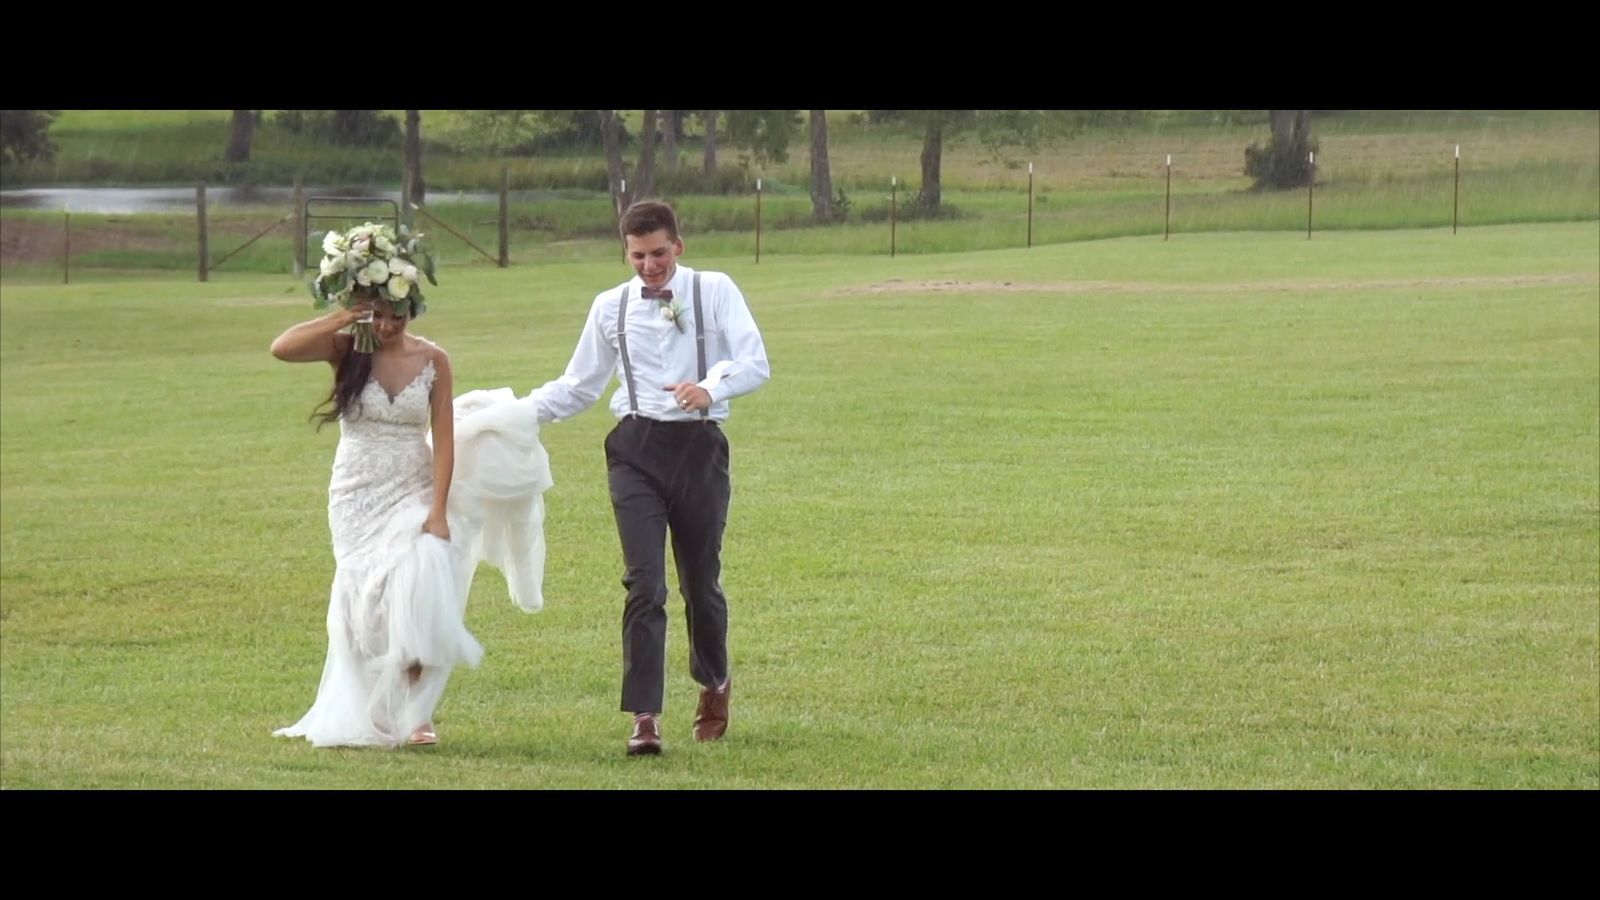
x: 644, y: 418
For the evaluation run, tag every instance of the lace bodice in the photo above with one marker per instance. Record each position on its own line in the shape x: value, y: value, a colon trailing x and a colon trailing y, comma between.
x: 404, y: 416
x: 383, y: 461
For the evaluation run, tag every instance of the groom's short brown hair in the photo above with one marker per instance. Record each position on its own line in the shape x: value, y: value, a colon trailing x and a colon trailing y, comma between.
x: 648, y: 217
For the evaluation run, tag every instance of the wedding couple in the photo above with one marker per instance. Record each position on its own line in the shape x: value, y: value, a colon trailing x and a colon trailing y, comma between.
x: 426, y: 485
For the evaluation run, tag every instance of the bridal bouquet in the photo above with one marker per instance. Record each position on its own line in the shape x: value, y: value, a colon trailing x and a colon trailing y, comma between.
x: 373, y: 256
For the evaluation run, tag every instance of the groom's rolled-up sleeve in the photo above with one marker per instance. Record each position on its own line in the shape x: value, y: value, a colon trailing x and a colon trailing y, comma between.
x: 747, y: 369
x: 592, y: 364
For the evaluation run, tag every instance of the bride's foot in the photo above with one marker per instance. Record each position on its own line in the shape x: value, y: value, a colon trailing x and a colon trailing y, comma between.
x: 423, y: 736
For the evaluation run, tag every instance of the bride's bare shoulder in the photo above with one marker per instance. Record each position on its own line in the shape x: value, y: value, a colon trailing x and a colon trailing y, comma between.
x: 424, y: 346
x: 430, y: 352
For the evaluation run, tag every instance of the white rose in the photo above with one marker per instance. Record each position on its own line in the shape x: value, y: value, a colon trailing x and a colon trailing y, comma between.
x: 399, y: 287
x: 409, y: 273
x: 332, y: 265
x: 376, y: 272
x: 330, y: 244
x: 384, y: 245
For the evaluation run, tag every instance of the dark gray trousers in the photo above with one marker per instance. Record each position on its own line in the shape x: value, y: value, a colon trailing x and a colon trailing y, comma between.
x: 669, y: 476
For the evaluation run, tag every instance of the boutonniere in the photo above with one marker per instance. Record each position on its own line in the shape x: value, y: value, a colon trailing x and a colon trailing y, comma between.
x: 671, y: 311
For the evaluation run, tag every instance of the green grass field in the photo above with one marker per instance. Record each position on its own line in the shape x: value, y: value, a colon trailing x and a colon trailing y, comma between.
x: 1237, y: 510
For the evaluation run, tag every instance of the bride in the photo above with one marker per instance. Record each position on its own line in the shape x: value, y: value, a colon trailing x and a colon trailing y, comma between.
x: 424, y: 487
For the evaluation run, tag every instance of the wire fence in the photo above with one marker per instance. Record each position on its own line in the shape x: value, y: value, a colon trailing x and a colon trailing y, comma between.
x: 507, y: 228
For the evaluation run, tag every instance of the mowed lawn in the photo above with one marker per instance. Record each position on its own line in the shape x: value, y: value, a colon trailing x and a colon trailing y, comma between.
x: 1235, y: 510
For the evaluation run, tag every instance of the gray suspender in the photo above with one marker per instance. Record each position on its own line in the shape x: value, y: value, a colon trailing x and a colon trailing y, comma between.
x: 622, y: 344
x: 699, y: 339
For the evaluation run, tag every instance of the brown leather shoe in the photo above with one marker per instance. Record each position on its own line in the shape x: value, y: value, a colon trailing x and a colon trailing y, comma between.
x: 711, y: 717
x: 646, y: 739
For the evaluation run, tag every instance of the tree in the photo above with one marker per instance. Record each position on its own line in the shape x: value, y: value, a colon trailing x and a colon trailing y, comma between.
x: 414, y: 155
x: 711, y: 140
x: 936, y: 125
x: 526, y: 132
x: 611, y: 139
x: 362, y: 127
x: 244, y: 128
x: 673, y: 120
x: 932, y: 156
x: 996, y: 129
x: 24, y: 134
x: 356, y: 127
x: 822, y: 208
x: 644, y: 174
x: 1286, y: 161
x: 612, y: 135
x: 764, y: 134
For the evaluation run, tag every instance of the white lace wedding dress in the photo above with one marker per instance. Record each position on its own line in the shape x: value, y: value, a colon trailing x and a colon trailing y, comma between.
x: 399, y: 595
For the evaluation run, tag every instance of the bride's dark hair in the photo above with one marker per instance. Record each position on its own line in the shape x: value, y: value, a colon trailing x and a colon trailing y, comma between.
x: 348, y: 381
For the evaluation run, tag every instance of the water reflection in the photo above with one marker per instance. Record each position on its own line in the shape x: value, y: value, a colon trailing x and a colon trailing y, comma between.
x: 181, y: 199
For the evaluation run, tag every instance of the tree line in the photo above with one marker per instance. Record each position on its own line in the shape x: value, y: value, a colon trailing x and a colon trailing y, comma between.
x: 759, y: 136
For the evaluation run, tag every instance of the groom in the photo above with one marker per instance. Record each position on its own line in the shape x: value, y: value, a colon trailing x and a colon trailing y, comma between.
x: 667, y: 458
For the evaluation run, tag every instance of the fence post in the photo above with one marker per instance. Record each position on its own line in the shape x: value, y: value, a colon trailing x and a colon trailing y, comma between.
x: 1311, y: 190
x: 200, y: 217
x: 299, y: 226
x: 1166, y: 227
x: 405, y: 200
x: 505, y: 216
x: 1455, y: 209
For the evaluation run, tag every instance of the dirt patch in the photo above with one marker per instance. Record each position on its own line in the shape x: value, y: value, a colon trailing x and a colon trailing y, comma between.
x: 37, y: 241
x: 900, y: 286
x: 30, y: 241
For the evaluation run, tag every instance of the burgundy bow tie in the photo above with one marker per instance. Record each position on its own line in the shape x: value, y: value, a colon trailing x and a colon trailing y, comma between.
x: 653, y: 294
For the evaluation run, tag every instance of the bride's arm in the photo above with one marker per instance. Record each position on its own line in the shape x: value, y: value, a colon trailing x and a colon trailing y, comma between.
x: 444, y: 444
x: 316, y: 340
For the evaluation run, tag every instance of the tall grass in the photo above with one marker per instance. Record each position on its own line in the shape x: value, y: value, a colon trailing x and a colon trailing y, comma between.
x: 572, y: 225
x: 180, y: 147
